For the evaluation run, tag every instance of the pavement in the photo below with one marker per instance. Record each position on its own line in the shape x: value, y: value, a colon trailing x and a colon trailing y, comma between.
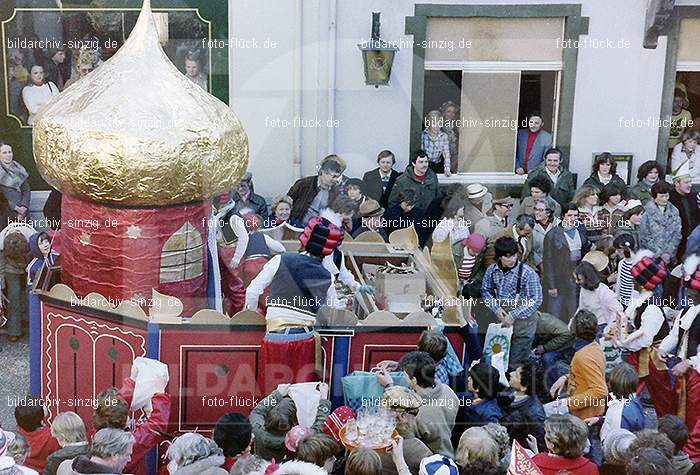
x: 14, y: 377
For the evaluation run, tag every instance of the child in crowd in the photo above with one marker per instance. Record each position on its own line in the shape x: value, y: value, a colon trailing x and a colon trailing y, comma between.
x: 234, y: 434
x: 675, y: 429
x: 318, y: 449
x: 30, y: 415
x: 19, y: 451
x: 625, y: 247
x: 527, y: 381
x: 625, y: 410
x: 275, y: 415
x: 435, y: 344
x: 44, y: 256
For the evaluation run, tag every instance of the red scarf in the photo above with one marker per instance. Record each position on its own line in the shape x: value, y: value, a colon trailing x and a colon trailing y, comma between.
x: 531, y: 137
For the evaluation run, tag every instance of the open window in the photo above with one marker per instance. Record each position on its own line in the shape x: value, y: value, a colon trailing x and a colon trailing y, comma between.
x: 685, y: 114
x: 497, y: 70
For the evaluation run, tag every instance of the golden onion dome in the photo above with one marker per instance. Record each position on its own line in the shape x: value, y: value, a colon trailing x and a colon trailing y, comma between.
x: 137, y: 132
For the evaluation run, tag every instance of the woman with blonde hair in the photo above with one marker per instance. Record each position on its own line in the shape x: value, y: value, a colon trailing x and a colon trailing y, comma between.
x: 69, y: 429
x: 477, y: 443
x: 586, y: 199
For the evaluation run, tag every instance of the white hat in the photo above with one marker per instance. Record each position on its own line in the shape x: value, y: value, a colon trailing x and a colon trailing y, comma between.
x: 682, y: 172
x: 631, y: 204
x: 438, y: 465
x: 476, y: 191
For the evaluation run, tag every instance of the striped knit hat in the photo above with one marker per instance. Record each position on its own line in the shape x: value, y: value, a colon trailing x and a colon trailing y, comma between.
x: 321, y: 237
x: 648, y: 271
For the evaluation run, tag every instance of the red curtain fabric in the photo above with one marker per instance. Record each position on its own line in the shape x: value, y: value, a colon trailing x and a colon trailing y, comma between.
x: 118, y: 251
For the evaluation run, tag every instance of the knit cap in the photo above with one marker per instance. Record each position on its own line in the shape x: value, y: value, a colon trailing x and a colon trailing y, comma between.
x: 648, y: 271
x: 438, y: 465
x: 321, y: 237
x: 476, y: 242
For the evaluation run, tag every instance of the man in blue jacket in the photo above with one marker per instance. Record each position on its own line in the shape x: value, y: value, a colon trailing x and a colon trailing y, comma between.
x: 532, y: 143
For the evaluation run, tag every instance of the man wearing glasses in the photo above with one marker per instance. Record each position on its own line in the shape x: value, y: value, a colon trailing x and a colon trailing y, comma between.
x: 311, y: 194
x: 497, y: 221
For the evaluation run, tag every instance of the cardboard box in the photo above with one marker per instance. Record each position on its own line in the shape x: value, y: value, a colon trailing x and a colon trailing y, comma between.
x: 400, y: 284
x: 402, y: 304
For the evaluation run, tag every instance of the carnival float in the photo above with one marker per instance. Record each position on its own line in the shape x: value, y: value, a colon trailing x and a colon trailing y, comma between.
x: 140, y: 150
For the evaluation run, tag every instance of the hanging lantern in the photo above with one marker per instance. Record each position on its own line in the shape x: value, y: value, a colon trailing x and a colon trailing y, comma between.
x: 377, y: 56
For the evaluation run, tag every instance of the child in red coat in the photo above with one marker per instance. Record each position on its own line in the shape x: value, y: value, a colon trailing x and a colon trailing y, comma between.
x: 30, y: 416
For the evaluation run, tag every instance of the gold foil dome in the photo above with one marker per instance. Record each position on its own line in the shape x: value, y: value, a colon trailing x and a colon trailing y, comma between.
x: 137, y: 132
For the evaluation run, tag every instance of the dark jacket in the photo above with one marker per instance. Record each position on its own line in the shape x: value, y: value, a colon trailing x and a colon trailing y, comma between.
x: 303, y: 192
x: 687, y: 207
x: 562, y: 191
x: 641, y: 191
x: 483, y: 413
x: 553, y: 334
x: 427, y: 191
x: 395, y: 219
x: 530, y: 409
x: 556, y: 262
x: 83, y: 465
x: 594, y: 181
x: 66, y: 453
x: 373, y: 186
x: 255, y: 203
x: 52, y: 209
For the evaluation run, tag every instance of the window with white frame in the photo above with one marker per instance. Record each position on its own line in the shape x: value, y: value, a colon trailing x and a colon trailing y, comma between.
x: 495, y: 71
x: 684, y: 130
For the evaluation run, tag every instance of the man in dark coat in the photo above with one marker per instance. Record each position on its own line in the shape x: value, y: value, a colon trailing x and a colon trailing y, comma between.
x: 563, y: 183
x: 313, y: 193
x: 563, y: 248
x: 684, y: 200
x: 422, y: 180
x: 379, y: 182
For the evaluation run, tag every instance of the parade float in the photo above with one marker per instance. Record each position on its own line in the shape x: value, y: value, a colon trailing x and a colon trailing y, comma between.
x: 138, y: 152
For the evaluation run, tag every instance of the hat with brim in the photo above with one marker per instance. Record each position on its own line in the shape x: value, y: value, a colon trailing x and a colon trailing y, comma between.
x: 503, y: 200
x: 370, y: 208
x: 401, y: 399
x: 682, y: 172
x: 598, y: 259
x: 476, y: 191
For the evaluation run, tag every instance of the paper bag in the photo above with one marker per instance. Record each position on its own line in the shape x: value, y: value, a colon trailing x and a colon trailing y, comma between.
x: 151, y: 377
x: 498, y: 341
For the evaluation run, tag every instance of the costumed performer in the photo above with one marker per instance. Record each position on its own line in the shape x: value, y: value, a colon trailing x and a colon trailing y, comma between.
x: 299, y: 286
x: 649, y: 328
x: 253, y: 251
x: 682, y: 345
